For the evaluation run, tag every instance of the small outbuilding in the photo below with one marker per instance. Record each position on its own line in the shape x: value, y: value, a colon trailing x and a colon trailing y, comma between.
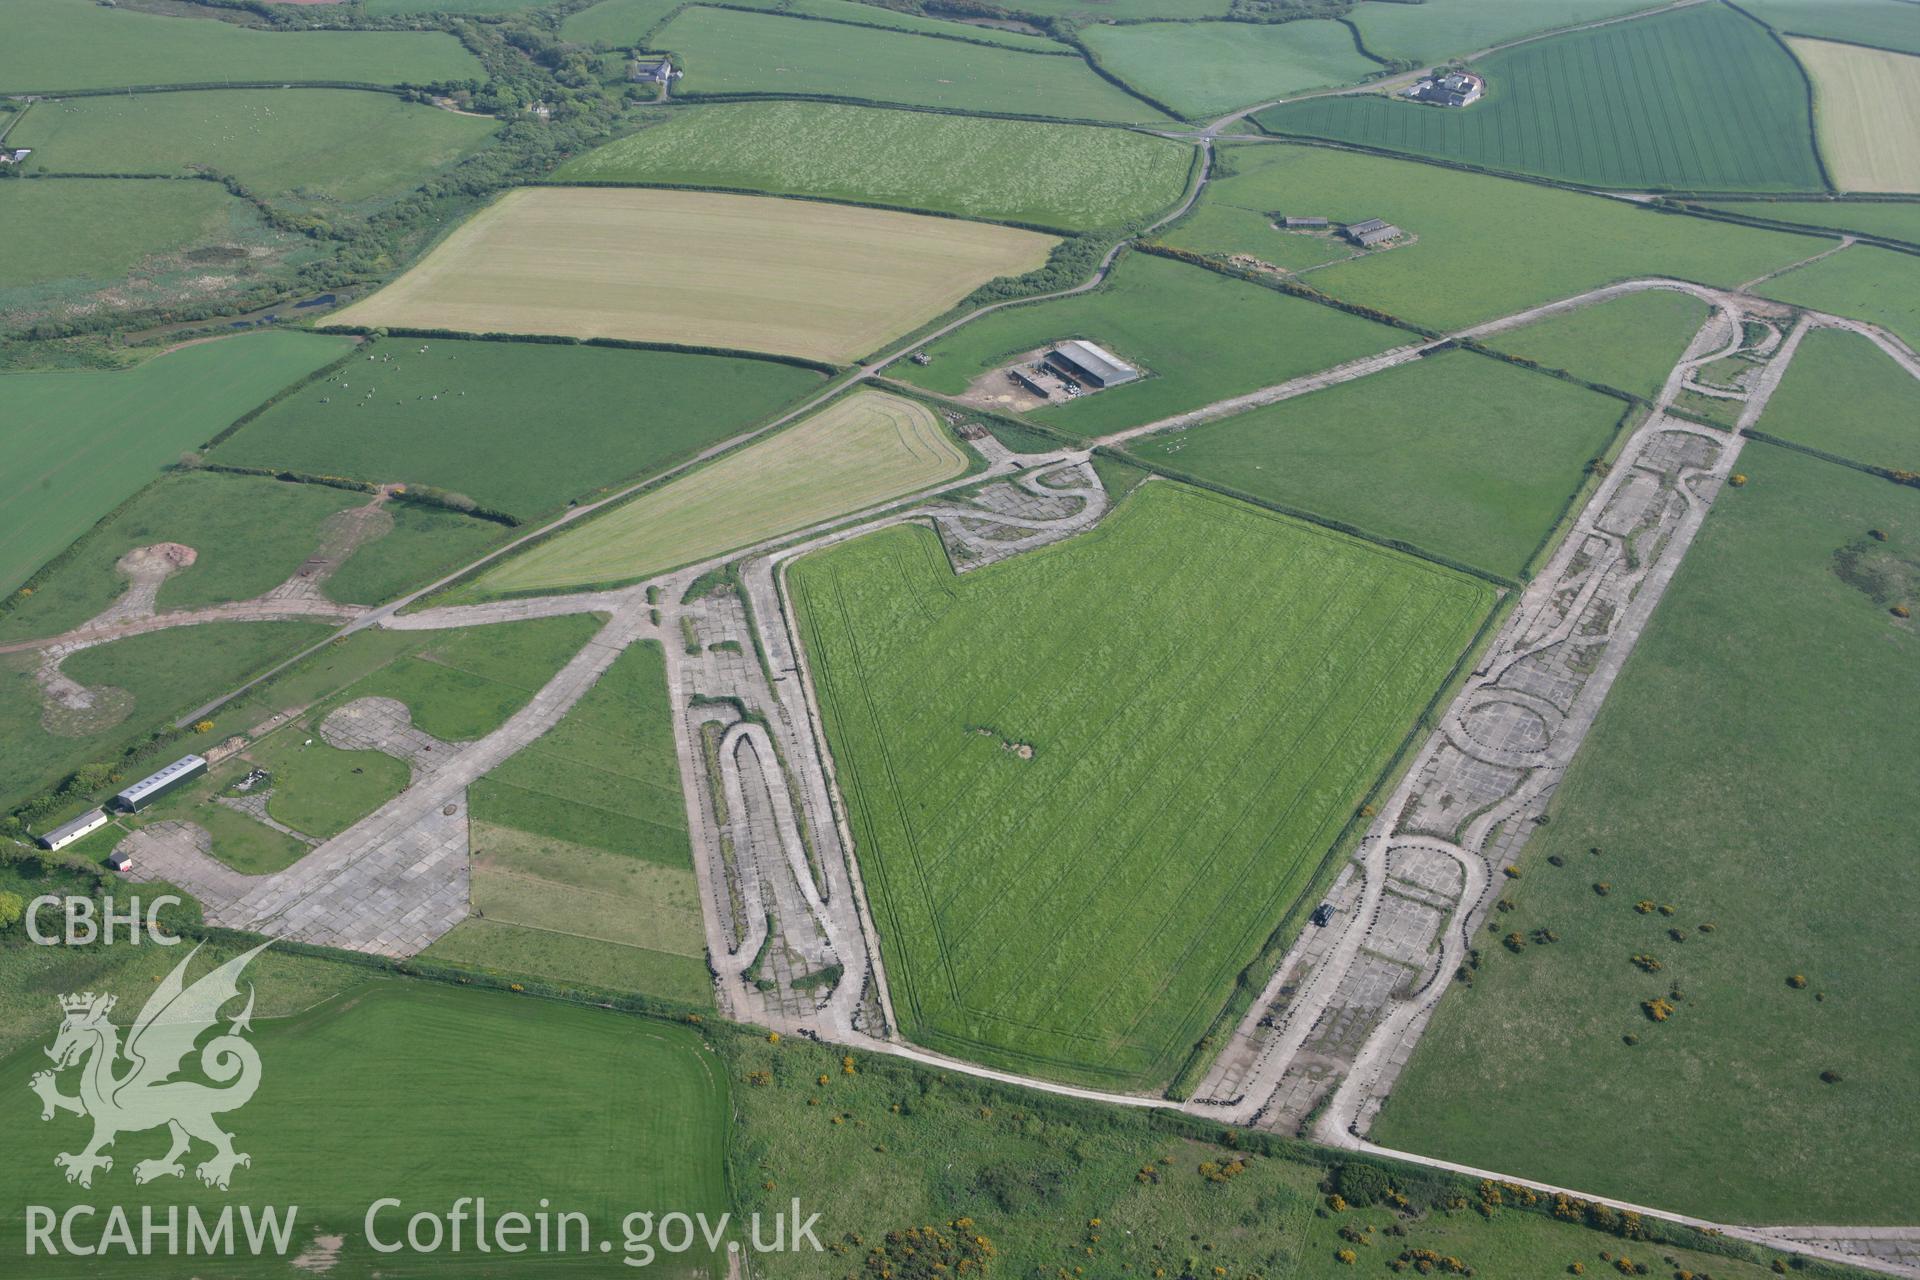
x: 1292, y: 223
x: 1373, y: 231
x: 159, y: 783
x: 119, y: 861
x: 67, y: 832
x: 14, y: 155
x: 1089, y: 364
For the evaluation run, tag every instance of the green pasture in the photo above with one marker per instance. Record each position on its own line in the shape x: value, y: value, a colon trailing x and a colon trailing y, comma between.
x: 251, y: 534
x: 463, y: 684
x: 1862, y: 282
x: 1844, y: 395
x: 1200, y: 336
x: 141, y: 683
x: 376, y: 1092
x: 1458, y: 454
x: 493, y: 946
x: 1893, y: 219
x: 320, y: 790
x: 616, y: 24
x: 1473, y: 257
x: 50, y: 45
x: 311, y: 149
x: 856, y: 11
x: 1630, y: 343
x: 1204, y: 69
x: 237, y: 839
x: 1433, y: 31
x: 478, y: 418
x: 80, y: 245
x: 31, y: 976
x: 606, y: 776
x: 76, y: 444
x: 622, y: 24
x: 727, y: 52
x: 1753, y: 776
x: 1886, y: 24
x: 1096, y: 10
x: 1209, y: 693
x: 1056, y: 1184
x: 1696, y: 99
x: 1092, y: 177
x: 406, y: 8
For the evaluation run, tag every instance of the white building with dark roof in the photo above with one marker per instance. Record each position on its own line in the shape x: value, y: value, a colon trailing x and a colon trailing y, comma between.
x: 67, y: 832
x: 1454, y: 89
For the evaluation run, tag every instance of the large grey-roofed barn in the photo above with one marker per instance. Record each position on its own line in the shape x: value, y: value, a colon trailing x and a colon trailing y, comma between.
x: 1090, y: 363
x: 156, y: 784
x: 1373, y: 231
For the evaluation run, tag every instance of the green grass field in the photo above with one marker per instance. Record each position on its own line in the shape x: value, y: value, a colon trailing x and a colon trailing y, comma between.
x: 377, y: 1092
x: 859, y: 451
x: 621, y: 24
x: 1130, y: 9
x: 79, y: 443
x: 1209, y: 692
x: 477, y: 417
x: 1457, y: 454
x: 78, y: 245
x: 250, y: 534
x: 320, y: 790
x: 1630, y: 343
x: 1058, y: 1185
x: 1888, y: 24
x: 585, y: 838
x: 387, y: 8
x: 1433, y: 31
x: 1203, y: 69
x: 464, y: 684
x: 48, y: 45
x: 730, y: 52
x: 1724, y: 101
x: 1894, y: 219
x: 311, y: 149
x: 616, y: 24
x: 159, y: 676
x: 1467, y: 265
x: 1862, y: 282
x: 1093, y: 177
x: 1846, y: 396
x: 1754, y: 777
x: 1201, y: 336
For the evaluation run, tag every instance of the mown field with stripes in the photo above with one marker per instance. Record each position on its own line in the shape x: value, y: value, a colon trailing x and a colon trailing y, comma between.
x: 1086, y: 784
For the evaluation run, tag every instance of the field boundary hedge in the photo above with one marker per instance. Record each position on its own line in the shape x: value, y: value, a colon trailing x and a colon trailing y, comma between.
x: 1064, y: 52
x: 1092, y: 59
x: 640, y: 184
x: 1878, y: 240
x: 1806, y: 83
x: 565, y: 340
x: 1894, y: 474
x: 1311, y: 517
x: 201, y: 86
x: 754, y: 95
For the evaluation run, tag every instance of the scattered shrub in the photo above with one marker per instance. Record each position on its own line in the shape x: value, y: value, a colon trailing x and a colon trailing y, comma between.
x: 1737, y: 480
x: 1831, y: 1076
x: 1797, y: 981
x: 1505, y: 904
x: 1602, y: 888
x: 1362, y: 1184
x: 1514, y: 943
x: 1648, y: 963
x: 1644, y: 906
x: 1658, y: 1009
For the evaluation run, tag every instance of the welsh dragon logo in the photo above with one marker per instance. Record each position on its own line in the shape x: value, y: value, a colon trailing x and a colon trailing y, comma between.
x: 144, y: 1094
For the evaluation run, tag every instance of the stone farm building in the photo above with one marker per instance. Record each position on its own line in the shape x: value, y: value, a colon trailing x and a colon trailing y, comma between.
x: 650, y: 70
x: 1372, y: 232
x: 1089, y: 365
x: 1455, y: 89
x: 1293, y: 223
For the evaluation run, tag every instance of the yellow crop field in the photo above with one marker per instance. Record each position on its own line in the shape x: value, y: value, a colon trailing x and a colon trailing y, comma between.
x: 751, y: 273
x: 856, y: 452
x: 1866, y: 109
